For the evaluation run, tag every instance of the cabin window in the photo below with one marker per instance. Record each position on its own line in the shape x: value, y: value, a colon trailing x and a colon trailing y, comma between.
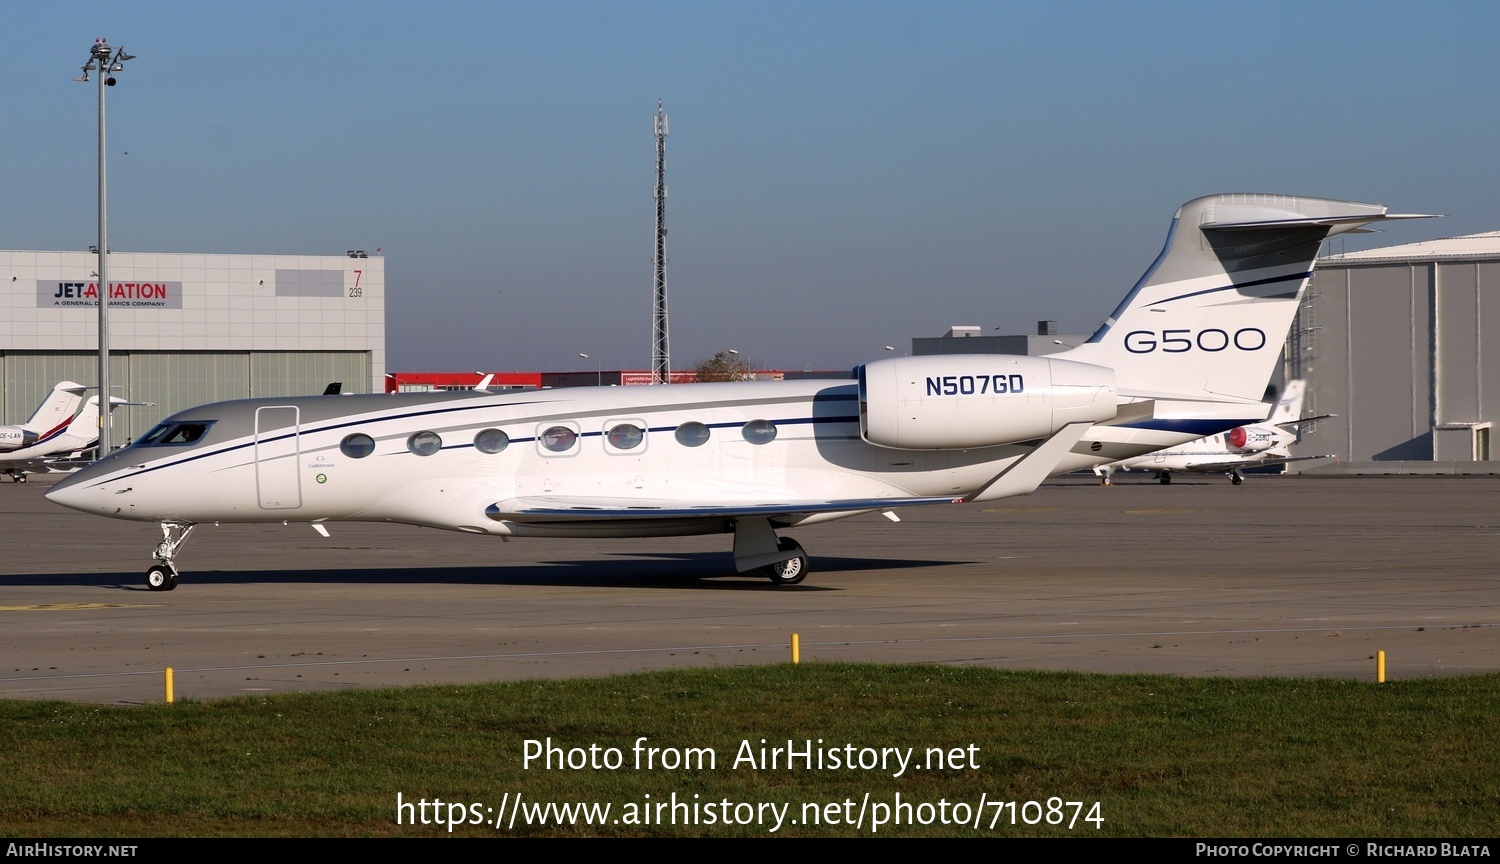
x: 625, y: 436
x: 558, y: 439
x: 357, y: 446
x: 491, y: 441
x: 759, y: 431
x: 175, y: 434
x: 424, y: 443
x: 692, y: 434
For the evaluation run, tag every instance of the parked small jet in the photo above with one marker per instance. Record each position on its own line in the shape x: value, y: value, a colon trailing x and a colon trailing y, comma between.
x: 48, y: 421
x: 1253, y: 446
x: 62, y: 450
x: 1187, y: 353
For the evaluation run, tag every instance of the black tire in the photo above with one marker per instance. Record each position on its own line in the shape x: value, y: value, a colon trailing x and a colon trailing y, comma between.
x: 1165, y: 478
x: 20, y: 478
x: 1236, y: 479
x: 161, y: 578
x: 790, y: 571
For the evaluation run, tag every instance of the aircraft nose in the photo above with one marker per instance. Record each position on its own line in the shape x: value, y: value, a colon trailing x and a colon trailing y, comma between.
x: 75, y: 493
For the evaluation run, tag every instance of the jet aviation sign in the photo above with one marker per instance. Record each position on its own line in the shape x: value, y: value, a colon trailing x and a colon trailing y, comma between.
x: 133, y: 295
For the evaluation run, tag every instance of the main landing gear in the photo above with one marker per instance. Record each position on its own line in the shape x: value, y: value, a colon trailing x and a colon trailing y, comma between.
x: 163, y: 576
x: 1236, y: 477
x: 1164, y: 478
x: 757, y: 549
x: 792, y: 570
x: 17, y: 476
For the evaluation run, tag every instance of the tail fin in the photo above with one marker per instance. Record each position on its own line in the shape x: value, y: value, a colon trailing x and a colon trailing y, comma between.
x: 83, y: 432
x: 48, y: 421
x: 1289, y: 407
x: 1208, y: 319
x: 56, y: 410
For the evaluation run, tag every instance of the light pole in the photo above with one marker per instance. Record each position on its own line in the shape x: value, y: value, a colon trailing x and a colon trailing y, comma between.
x: 105, y: 60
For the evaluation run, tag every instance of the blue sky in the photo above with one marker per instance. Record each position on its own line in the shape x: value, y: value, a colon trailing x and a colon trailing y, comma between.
x: 843, y: 176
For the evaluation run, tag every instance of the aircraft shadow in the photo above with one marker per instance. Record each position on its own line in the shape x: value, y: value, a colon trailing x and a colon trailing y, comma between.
x: 699, y: 571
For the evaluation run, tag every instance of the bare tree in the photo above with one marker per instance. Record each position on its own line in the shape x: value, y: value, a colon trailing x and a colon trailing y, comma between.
x: 724, y: 366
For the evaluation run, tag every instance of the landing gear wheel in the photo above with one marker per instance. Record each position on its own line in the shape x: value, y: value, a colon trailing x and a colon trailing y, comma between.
x: 1164, y: 479
x: 792, y: 570
x: 20, y: 478
x: 1236, y: 479
x: 161, y: 578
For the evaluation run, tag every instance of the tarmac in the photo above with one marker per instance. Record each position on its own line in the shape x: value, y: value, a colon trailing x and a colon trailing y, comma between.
x: 1292, y: 576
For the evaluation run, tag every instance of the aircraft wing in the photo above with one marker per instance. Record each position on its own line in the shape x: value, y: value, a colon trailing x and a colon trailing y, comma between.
x: 1018, y: 478
x: 1214, y: 467
x: 566, y: 509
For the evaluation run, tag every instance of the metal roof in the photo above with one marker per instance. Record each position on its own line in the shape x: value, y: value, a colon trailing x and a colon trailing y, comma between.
x: 1465, y: 248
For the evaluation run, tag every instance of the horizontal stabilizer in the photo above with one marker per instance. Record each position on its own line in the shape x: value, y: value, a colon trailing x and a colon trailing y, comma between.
x: 1327, y: 221
x: 1289, y: 424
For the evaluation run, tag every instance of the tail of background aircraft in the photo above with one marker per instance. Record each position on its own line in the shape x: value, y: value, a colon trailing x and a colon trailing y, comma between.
x: 1289, y: 407
x: 83, y: 432
x: 49, y: 420
x: 57, y: 409
x: 1208, y: 319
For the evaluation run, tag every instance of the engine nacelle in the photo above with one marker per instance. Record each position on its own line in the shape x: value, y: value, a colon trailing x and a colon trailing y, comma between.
x: 16, y: 437
x: 964, y: 401
x: 1251, y: 439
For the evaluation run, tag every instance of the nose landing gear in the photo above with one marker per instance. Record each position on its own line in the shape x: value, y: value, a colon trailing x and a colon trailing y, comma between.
x: 163, y: 576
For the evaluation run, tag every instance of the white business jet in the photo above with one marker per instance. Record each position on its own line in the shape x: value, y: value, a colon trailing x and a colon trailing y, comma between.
x: 1253, y: 446
x: 1188, y: 353
x: 47, y: 422
x: 62, y: 449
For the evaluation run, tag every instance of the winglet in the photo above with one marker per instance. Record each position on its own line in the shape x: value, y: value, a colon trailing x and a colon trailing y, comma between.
x: 1028, y: 473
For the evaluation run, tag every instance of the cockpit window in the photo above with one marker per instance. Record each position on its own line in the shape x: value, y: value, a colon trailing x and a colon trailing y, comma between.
x: 176, y: 434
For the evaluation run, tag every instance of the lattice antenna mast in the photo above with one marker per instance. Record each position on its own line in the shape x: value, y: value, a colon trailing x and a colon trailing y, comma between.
x: 661, y: 355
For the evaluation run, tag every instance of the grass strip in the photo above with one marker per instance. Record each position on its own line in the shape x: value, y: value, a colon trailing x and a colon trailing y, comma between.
x: 1161, y: 756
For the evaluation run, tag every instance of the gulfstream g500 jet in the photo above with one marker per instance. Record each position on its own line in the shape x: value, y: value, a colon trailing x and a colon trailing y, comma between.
x: 1187, y: 353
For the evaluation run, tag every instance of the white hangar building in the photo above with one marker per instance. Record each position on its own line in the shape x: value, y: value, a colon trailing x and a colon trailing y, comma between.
x: 1398, y: 344
x: 187, y: 329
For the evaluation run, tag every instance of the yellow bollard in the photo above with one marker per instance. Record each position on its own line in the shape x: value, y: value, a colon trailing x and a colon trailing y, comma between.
x: 169, y: 685
x: 1379, y: 667
x: 796, y: 650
